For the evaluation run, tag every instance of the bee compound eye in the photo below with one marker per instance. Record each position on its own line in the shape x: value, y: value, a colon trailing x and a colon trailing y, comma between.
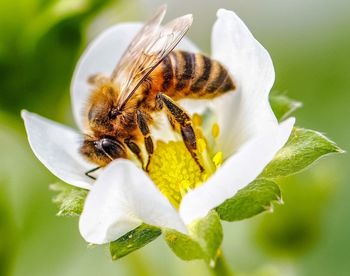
x: 112, y: 148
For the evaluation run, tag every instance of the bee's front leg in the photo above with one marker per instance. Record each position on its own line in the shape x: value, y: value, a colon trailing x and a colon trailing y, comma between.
x: 178, y: 115
x: 134, y: 149
x: 143, y: 126
x: 89, y: 172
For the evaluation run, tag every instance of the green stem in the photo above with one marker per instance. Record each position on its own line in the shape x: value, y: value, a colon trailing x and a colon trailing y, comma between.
x: 221, y: 267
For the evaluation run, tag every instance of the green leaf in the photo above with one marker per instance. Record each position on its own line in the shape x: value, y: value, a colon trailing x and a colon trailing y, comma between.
x: 303, y: 148
x: 133, y: 240
x: 203, y: 242
x: 255, y: 198
x: 283, y: 106
x: 70, y: 200
x: 208, y: 233
x: 184, y: 246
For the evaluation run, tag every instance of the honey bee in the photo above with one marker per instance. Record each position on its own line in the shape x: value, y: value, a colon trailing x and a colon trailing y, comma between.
x: 150, y: 76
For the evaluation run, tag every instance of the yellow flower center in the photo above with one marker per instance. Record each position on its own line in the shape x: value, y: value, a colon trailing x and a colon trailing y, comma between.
x: 175, y: 172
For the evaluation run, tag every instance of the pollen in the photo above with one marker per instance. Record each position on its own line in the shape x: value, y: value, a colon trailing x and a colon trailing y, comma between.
x: 174, y: 171
x: 218, y: 159
x: 197, y: 119
x: 215, y: 130
x: 201, y: 144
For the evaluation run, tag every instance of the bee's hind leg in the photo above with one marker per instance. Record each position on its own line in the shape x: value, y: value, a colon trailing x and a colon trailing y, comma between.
x: 178, y: 115
x: 143, y: 126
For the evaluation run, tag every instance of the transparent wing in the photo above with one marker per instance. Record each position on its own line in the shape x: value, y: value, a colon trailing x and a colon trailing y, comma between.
x: 149, y: 47
x: 149, y: 28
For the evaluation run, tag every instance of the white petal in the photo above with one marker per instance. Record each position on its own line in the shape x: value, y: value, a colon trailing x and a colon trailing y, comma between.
x: 237, y: 172
x: 121, y: 199
x: 162, y: 130
x: 57, y: 147
x: 187, y: 45
x: 101, y: 56
x: 246, y: 112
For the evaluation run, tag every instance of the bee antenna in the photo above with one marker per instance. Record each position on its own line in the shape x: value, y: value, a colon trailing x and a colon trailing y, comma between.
x: 115, y: 112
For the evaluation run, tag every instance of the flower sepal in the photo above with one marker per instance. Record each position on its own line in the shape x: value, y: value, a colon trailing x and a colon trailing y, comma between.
x: 133, y: 240
x: 257, y: 197
x: 203, y: 241
x: 282, y: 105
x: 69, y: 199
x: 303, y: 148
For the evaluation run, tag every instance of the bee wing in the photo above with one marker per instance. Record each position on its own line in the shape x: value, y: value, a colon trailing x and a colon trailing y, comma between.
x: 150, y: 46
x: 150, y: 27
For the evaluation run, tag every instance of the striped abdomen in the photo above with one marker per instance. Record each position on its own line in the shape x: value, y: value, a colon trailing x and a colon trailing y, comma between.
x: 183, y: 74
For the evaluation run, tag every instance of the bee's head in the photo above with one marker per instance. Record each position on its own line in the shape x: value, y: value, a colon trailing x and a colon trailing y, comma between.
x: 102, y: 151
x: 102, y: 110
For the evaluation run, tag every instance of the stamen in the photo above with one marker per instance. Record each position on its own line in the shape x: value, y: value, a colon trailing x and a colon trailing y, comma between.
x: 174, y: 171
x: 215, y: 130
x: 201, y: 145
x: 218, y: 159
x: 197, y: 119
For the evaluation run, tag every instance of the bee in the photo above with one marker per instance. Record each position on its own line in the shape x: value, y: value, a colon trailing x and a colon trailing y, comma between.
x: 151, y: 76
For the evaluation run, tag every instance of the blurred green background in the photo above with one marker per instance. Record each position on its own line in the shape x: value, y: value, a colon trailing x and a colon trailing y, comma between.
x: 40, y: 42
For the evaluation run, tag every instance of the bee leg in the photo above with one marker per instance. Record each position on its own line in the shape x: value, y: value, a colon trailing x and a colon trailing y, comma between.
x: 173, y: 123
x: 88, y: 173
x: 143, y: 126
x: 134, y: 149
x: 177, y: 114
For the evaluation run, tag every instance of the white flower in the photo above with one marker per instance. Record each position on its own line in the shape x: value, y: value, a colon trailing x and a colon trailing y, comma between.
x: 124, y: 196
